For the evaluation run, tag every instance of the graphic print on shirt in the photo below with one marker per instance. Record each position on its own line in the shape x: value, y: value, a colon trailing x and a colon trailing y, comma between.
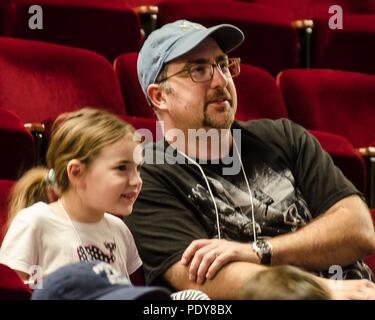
x: 96, y: 253
x: 278, y: 208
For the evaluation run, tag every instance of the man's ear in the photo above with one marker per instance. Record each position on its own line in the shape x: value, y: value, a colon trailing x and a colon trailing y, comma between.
x: 157, y: 96
x: 75, y: 171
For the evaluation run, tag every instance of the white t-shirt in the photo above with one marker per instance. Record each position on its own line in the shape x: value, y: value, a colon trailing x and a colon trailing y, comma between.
x: 38, y: 236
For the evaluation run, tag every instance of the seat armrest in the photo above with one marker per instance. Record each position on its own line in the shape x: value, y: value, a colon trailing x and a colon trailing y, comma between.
x: 146, y: 10
x: 35, y: 127
x: 37, y: 130
x: 367, y: 151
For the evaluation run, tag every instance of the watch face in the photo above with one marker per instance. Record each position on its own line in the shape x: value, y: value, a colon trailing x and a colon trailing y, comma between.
x: 263, y: 250
x: 263, y: 246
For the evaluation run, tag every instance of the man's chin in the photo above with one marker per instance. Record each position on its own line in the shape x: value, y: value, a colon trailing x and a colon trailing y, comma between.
x: 221, y: 121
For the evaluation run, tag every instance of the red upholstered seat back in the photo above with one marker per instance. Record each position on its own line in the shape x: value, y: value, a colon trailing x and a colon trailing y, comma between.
x: 351, y: 48
x: 11, y: 286
x: 134, y: 99
x: 5, y: 187
x: 107, y: 27
x: 334, y: 101
x: 7, y: 16
x: 306, y: 9
x: 258, y: 95
x: 344, y: 156
x: 362, y: 6
x: 40, y: 80
x: 16, y: 145
x: 149, y: 124
x: 271, y: 42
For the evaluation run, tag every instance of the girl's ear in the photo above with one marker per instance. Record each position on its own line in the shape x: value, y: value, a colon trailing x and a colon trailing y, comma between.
x: 157, y: 96
x: 75, y: 170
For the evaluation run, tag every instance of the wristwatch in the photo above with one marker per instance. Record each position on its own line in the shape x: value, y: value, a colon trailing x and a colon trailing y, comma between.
x: 263, y: 249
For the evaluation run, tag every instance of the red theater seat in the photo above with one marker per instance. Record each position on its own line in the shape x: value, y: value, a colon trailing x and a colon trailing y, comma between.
x: 134, y: 99
x: 5, y: 187
x: 16, y: 145
x: 145, y: 123
x: 345, y: 156
x: 271, y: 43
x: 11, y: 286
x: 310, y: 9
x: 351, y: 48
x: 334, y: 101
x: 108, y: 27
x: 362, y: 6
x: 41, y: 80
x: 7, y: 16
x: 258, y: 95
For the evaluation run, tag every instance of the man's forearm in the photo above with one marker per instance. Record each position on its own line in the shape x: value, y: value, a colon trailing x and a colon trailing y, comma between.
x: 339, y: 237
x: 225, y: 285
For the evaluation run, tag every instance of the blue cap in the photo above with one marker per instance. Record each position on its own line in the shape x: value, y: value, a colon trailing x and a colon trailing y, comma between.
x: 94, y: 280
x: 174, y: 40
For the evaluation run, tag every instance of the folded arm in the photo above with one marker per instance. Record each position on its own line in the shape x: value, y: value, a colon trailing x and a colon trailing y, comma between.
x: 340, y: 236
x: 225, y: 285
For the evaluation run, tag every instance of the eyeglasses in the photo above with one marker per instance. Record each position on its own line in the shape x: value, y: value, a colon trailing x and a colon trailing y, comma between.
x: 203, y: 72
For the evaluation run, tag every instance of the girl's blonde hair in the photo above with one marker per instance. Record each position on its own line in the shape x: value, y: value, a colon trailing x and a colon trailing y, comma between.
x: 77, y: 135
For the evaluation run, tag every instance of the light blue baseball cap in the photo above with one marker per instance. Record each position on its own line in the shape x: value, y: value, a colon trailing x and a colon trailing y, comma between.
x: 174, y: 40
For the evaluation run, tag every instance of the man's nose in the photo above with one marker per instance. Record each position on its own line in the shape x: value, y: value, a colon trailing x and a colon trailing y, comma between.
x: 219, y: 79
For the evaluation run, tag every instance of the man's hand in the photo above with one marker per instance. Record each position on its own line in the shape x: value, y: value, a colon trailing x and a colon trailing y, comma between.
x: 208, y: 256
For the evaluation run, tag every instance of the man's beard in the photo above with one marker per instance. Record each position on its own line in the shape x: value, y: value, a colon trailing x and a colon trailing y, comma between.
x: 213, y: 121
x: 218, y: 122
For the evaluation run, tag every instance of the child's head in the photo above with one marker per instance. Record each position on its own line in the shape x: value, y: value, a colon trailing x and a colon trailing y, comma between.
x: 91, y: 153
x: 283, y: 283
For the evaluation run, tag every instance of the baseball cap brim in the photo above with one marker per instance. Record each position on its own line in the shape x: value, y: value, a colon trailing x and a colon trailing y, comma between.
x: 136, y: 293
x: 227, y: 36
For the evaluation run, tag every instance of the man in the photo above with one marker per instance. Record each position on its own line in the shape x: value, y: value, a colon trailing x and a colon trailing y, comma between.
x: 256, y: 194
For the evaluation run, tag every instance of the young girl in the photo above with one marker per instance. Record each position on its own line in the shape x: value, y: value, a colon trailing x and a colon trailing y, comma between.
x: 94, y: 169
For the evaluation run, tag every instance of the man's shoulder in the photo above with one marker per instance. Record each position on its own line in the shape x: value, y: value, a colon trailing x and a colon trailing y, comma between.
x: 271, y: 131
x: 259, y: 126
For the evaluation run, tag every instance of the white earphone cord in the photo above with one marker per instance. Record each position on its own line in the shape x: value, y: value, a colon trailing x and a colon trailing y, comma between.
x: 59, y: 203
x: 209, y: 190
x: 213, y: 198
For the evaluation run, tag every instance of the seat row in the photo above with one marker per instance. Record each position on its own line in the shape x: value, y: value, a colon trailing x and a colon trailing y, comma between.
x: 272, y: 42
x: 39, y: 81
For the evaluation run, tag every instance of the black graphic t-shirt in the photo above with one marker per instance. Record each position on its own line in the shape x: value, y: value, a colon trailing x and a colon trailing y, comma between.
x: 289, y: 181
